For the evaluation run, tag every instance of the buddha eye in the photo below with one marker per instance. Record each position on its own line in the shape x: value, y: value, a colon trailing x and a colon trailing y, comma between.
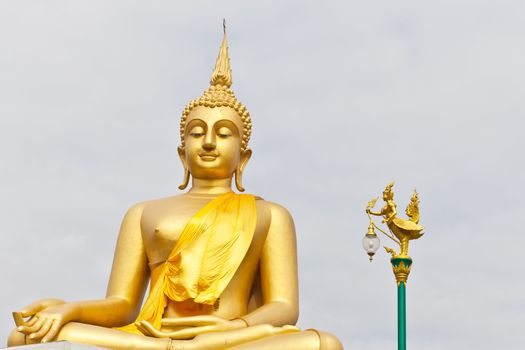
x: 197, y: 132
x: 224, y: 133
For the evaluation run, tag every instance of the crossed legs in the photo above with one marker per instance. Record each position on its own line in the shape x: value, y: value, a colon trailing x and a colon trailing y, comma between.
x: 261, y: 337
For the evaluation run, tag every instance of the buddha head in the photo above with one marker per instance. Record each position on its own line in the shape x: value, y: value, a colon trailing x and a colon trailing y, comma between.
x: 215, y: 129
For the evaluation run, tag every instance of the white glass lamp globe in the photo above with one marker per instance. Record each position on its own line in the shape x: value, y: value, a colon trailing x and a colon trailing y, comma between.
x: 371, y: 242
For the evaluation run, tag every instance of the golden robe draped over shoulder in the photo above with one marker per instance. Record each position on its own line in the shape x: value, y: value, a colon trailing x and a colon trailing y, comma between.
x: 208, y: 253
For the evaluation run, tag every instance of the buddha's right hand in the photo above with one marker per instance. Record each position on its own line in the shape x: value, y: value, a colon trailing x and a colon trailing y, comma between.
x: 48, y: 318
x: 31, y: 309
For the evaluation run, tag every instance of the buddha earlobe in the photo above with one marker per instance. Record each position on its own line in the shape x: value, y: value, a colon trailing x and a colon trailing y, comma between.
x: 238, y: 179
x: 245, y: 157
x: 186, y: 179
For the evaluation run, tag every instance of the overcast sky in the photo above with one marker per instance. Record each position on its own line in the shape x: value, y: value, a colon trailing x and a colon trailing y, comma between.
x: 345, y: 96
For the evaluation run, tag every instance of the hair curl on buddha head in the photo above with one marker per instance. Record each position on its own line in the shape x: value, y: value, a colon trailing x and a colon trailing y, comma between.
x: 219, y: 94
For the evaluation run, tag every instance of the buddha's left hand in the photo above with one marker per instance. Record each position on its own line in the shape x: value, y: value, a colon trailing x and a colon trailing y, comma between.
x: 194, y: 326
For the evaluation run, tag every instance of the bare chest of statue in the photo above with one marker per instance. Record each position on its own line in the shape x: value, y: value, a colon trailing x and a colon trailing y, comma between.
x: 162, y: 223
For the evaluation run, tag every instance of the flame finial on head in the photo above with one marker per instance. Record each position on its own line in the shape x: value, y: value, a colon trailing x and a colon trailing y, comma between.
x: 222, y: 74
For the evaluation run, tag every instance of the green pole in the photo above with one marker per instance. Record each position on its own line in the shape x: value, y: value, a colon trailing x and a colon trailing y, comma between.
x: 401, y: 267
x: 401, y: 317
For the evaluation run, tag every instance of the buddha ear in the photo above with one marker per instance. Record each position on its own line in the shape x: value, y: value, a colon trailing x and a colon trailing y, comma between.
x: 245, y: 157
x: 182, y: 156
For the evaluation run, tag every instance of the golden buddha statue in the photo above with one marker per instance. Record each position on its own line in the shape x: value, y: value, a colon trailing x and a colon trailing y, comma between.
x: 221, y: 266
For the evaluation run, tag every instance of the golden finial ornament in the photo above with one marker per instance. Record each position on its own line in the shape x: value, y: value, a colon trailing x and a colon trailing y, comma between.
x: 402, y: 231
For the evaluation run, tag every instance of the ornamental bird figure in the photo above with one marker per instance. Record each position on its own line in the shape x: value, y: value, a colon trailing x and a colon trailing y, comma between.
x: 403, y: 230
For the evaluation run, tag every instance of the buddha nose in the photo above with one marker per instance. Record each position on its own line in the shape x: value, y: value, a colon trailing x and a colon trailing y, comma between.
x: 209, y: 141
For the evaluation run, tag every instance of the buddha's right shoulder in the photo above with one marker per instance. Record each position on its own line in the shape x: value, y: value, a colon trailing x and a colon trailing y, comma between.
x: 152, y: 203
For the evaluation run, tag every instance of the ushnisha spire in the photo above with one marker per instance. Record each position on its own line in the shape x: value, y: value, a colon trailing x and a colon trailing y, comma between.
x: 222, y: 74
x: 219, y: 94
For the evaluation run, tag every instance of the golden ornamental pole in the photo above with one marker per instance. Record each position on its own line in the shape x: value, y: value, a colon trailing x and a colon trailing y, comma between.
x: 401, y: 232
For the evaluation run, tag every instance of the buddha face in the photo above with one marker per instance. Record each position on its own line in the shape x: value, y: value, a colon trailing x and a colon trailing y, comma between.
x: 212, y: 142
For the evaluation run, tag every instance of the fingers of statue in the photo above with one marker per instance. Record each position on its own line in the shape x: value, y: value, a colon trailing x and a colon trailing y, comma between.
x: 31, y: 321
x: 27, y: 330
x: 191, y: 332
x: 53, y: 331
x: 194, y: 326
x: 46, y: 328
x: 46, y: 324
x: 42, y: 331
x: 19, y: 319
x: 32, y: 309
x: 193, y: 321
x: 187, y: 333
x: 143, y: 329
x: 289, y: 329
x: 147, y: 329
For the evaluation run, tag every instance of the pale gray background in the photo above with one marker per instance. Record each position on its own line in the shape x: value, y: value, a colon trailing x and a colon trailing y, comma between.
x: 345, y: 96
